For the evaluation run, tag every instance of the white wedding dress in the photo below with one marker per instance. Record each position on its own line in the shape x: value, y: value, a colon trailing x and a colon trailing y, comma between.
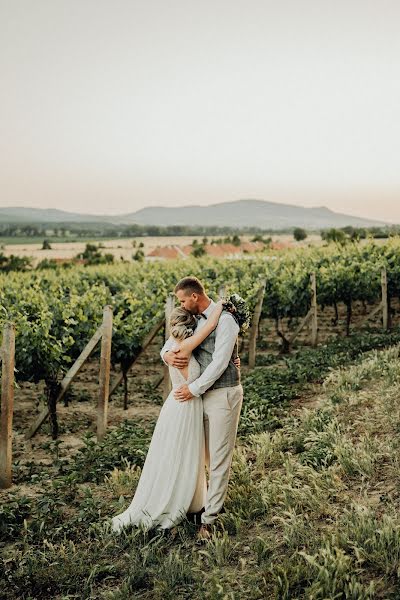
x: 173, y: 480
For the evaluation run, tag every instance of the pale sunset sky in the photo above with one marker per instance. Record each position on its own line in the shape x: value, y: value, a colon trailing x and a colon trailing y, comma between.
x: 108, y: 106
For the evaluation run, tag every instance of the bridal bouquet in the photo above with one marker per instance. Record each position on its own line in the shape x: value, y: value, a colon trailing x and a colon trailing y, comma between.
x: 239, y: 310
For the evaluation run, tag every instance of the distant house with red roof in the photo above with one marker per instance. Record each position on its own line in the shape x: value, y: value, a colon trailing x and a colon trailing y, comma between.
x: 279, y: 245
x: 167, y: 252
x: 216, y: 250
x: 252, y: 247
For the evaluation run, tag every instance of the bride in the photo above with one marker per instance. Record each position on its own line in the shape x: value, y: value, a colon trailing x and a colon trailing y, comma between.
x: 173, y: 479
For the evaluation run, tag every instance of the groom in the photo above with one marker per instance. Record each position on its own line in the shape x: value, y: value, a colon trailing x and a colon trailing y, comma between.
x: 219, y: 385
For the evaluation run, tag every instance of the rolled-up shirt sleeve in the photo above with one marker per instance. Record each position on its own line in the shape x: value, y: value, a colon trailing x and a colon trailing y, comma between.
x: 225, y: 339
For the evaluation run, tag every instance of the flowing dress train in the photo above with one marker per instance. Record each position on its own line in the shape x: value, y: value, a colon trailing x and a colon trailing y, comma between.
x: 173, y: 480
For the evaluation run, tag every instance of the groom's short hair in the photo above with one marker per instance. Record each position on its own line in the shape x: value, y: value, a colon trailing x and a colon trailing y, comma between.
x: 190, y: 285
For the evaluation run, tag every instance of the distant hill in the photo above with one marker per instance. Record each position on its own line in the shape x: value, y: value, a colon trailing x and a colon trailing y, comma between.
x: 238, y: 214
x: 248, y: 213
x: 46, y: 215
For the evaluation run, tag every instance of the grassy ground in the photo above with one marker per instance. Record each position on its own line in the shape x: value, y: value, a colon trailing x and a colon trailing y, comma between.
x: 312, y: 509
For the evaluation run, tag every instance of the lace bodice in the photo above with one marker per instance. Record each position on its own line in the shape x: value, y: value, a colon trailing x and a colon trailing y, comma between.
x: 177, y: 378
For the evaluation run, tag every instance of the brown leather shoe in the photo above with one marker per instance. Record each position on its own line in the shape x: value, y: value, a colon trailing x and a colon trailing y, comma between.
x: 204, y: 534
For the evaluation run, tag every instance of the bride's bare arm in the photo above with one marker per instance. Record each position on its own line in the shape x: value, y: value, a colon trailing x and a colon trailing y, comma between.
x: 189, y: 344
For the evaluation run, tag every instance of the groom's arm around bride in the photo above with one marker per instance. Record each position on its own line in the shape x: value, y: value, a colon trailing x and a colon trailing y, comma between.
x: 225, y: 341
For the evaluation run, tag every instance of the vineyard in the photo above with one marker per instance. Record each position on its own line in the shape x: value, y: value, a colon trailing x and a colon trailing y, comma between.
x: 56, y: 313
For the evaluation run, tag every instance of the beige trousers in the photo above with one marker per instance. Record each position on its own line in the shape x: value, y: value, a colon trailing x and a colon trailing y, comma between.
x: 221, y: 411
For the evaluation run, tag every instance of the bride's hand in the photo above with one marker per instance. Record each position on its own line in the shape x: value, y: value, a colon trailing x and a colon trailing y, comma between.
x: 219, y: 306
x: 216, y: 313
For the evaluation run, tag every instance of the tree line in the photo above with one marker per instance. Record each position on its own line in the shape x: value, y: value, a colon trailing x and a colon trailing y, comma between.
x: 73, y: 231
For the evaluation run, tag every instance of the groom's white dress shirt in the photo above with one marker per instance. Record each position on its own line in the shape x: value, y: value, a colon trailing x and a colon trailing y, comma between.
x: 226, y: 334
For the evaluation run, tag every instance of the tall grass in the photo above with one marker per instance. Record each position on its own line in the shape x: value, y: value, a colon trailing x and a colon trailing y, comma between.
x: 312, y: 511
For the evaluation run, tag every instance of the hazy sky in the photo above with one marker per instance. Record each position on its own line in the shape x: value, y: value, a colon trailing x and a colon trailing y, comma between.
x: 108, y: 106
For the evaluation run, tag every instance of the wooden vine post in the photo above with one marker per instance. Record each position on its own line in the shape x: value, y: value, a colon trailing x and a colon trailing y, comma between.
x: 104, y: 377
x: 169, y: 307
x: 312, y: 316
x: 254, y: 326
x: 385, y: 303
x: 314, y: 309
x: 7, y: 404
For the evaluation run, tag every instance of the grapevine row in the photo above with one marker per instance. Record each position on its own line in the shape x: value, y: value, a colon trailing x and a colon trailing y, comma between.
x: 57, y: 312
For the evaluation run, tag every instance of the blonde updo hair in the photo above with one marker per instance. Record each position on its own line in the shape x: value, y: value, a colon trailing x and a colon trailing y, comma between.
x: 182, y: 323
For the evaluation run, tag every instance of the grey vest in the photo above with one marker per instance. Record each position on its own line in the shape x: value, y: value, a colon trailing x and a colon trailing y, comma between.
x: 203, y: 354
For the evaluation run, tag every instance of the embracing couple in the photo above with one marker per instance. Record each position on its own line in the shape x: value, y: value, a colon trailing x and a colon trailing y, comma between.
x: 198, y: 422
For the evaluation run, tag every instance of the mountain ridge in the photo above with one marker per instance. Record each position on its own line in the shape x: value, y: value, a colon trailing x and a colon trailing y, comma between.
x: 236, y: 214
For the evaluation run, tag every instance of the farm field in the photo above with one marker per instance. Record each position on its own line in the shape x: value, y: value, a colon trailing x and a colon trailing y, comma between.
x: 312, y: 510
x: 119, y: 248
